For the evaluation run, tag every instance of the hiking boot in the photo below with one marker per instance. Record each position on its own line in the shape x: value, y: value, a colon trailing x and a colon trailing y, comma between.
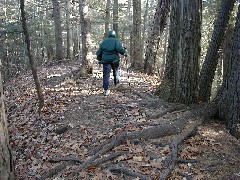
x: 106, y: 92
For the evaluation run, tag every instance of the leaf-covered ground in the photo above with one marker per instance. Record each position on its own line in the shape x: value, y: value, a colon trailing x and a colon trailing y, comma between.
x: 77, y: 118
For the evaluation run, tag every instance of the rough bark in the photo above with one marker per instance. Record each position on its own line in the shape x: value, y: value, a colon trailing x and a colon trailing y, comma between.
x: 30, y: 57
x: 68, y: 29
x: 87, y: 64
x: 136, y: 37
x: 230, y: 94
x: 58, y: 30
x: 186, y: 67
x: 158, y: 25
x: 164, y: 90
x: 6, y: 161
x: 115, y: 17
x: 211, y: 59
x: 107, y: 18
x: 145, y: 23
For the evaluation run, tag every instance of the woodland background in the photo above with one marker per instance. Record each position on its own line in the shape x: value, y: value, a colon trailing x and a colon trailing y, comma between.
x: 192, y: 47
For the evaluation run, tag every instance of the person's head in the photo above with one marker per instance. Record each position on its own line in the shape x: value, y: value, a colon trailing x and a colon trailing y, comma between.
x: 112, y: 33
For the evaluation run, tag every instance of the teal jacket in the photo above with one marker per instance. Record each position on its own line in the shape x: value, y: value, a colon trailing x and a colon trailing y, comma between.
x: 109, y: 49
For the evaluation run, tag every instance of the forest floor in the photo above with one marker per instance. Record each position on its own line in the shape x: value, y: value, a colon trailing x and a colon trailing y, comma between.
x: 77, y: 118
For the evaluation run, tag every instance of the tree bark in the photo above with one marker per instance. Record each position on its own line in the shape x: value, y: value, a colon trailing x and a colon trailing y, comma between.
x: 68, y: 29
x: 87, y: 64
x: 115, y: 17
x: 211, y: 59
x: 136, y: 37
x: 159, y: 23
x: 6, y: 160
x: 229, y: 104
x: 30, y: 56
x: 107, y: 18
x: 58, y: 31
x: 145, y: 23
x: 186, y: 67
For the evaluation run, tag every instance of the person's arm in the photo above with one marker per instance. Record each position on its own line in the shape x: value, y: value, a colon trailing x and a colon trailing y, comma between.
x: 120, y: 48
x: 99, y: 54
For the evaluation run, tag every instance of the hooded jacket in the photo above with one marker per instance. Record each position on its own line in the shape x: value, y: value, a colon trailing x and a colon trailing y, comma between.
x: 109, y: 49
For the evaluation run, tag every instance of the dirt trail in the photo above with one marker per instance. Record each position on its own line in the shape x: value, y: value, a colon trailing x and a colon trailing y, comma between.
x: 90, y: 118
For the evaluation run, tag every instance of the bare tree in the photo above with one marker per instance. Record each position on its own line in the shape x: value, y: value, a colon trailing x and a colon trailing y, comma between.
x: 58, y: 30
x: 230, y: 94
x: 186, y: 66
x: 68, y: 29
x: 107, y: 17
x: 136, y: 36
x: 158, y: 25
x: 6, y: 159
x: 30, y: 57
x: 87, y: 65
x: 211, y: 60
x: 115, y: 17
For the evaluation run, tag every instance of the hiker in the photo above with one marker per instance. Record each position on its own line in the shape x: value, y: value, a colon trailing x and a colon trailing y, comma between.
x: 108, y: 55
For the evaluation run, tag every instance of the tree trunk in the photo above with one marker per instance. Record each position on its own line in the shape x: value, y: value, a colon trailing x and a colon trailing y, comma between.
x: 68, y: 29
x: 159, y: 23
x: 58, y: 31
x: 107, y: 18
x: 136, y: 37
x: 30, y: 56
x: 145, y: 23
x: 6, y: 161
x: 186, y: 68
x: 164, y: 52
x: 87, y: 64
x: 165, y: 88
x: 211, y: 60
x: 230, y: 95
x: 115, y: 17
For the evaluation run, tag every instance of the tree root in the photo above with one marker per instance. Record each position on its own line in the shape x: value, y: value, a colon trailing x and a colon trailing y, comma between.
x: 176, y: 123
x: 67, y: 158
x: 56, y: 170
x: 128, y: 172
x: 171, y: 160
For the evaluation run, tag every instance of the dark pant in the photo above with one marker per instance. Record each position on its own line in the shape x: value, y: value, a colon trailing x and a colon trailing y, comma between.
x: 106, y: 74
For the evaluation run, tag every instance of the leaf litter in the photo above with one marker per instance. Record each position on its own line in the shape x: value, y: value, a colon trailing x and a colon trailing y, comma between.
x: 92, y: 118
